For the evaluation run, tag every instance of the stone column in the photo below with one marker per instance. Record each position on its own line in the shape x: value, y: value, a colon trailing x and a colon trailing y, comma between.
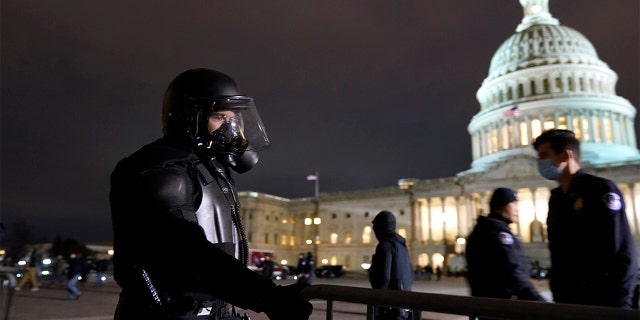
x: 429, y: 232
x: 592, y: 126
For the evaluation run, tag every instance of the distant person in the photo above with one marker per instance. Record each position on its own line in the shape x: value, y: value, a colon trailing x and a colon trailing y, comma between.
x: 438, y: 273
x: 418, y: 271
x: 30, y: 272
x: 497, y: 265
x: 101, y: 268
x: 181, y: 251
x: 59, y: 270
x: 428, y: 271
x: 300, y: 266
x: 307, y: 269
x: 75, y: 271
x: 267, y: 267
x: 390, y: 265
x: 593, y: 253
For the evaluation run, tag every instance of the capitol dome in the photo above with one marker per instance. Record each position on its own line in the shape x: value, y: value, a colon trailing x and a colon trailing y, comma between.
x: 540, y: 45
x: 550, y: 76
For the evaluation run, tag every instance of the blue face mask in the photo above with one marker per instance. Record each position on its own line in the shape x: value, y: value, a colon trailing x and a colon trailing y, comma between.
x: 548, y: 170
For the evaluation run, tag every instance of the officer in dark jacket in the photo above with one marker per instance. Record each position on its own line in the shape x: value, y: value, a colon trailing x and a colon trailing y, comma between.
x: 497, y: 267
x: 390, y: 265
x: 180, y: 248
x: 593, y: 254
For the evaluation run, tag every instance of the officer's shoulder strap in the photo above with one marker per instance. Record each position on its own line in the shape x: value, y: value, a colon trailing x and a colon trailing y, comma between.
x: 203, y: 172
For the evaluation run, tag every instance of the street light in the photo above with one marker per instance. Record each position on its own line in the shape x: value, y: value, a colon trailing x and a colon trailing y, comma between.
x: 407, y: 185
x: 316, y: 211
x: 460, y: 244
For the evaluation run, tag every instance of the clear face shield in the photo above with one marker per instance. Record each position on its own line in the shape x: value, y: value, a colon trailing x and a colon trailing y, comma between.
x: 230, y: 126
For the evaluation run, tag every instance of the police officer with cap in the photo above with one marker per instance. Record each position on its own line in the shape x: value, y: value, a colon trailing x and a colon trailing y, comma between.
x: 180, y: 248
x: 497, y: 266
x: 593, y: 253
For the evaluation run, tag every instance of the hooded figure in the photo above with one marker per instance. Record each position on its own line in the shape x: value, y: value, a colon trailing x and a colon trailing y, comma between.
x: 390, y: 265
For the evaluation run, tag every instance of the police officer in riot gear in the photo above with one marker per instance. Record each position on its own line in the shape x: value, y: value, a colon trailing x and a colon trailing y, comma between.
x: 180, y: 248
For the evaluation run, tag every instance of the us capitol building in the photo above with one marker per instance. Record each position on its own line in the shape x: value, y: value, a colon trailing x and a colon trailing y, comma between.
x: 544, y: 76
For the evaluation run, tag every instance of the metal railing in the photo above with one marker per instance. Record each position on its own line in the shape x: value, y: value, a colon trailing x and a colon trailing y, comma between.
x: 461, y: 305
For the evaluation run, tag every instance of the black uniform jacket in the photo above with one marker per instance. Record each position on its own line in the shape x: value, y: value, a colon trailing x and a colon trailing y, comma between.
x: 154, y: 195
x: 593, y: 255
x: 390, y: 265
x: 497, y: 266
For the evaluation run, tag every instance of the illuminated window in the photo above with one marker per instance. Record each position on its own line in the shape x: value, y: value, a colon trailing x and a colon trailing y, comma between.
x: 576, y: 128
x: 608, y: 132
x: 494, y: 141
x: 333, y: 238
x: 307, y: 221
x: 283, y: 240
x: 505, y: 138
x: 524, y: 136
x: 292, y: 240
x: 548, y: 124
x: 598, y: 128
x: 403, y: 232
x: 585, y: 129
x: 347, y: 238
x: 562, y: 123
x: 536, y: 128
x: 366, y: 235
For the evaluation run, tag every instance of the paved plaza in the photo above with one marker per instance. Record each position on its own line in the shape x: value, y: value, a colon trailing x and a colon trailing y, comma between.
x: 50, y: 303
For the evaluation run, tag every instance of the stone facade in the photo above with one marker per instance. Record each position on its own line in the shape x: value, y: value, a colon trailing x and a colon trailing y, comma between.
x: 544, y: 76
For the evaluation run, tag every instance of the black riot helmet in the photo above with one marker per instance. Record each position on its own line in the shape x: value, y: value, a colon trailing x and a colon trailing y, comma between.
x: 205, y: 109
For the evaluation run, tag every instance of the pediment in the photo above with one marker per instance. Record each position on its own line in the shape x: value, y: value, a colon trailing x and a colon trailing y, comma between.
x: 514, y: 167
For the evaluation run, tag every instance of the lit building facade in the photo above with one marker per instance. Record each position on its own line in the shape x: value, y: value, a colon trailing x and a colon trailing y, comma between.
x: 544, y: 76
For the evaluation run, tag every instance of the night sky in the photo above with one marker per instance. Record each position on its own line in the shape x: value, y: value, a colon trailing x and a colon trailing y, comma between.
x: 364, y: 92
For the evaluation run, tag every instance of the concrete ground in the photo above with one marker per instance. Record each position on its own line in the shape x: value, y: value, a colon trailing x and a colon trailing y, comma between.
x: 50, y: 303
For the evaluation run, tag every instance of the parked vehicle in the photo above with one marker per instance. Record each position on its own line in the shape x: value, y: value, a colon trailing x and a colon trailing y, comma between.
x: 330, y: 271
x: 256, y: 257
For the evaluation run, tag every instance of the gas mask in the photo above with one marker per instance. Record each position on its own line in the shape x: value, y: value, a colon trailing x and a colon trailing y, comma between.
x: 230, y: 129
x: 228, y: 141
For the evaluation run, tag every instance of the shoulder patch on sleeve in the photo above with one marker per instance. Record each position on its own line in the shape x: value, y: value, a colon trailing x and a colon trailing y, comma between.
x: 505, y: 238
x: 613, y: 201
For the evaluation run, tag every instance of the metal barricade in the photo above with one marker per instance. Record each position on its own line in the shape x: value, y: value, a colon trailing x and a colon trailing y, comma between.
x: 8, y: 283
x: 462, y: 305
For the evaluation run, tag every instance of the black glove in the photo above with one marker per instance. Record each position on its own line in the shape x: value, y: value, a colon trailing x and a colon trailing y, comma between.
x: 286, y: 303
